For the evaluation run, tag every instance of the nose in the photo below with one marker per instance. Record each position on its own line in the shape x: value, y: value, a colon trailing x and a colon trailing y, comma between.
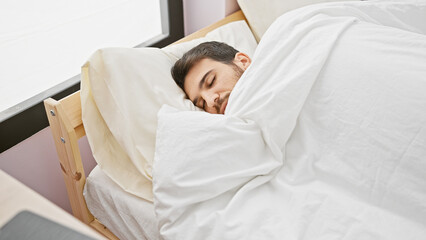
x: 210, y: 97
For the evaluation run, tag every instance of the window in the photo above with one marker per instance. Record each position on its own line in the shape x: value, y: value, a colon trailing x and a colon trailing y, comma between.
x: 45, y: 42
x: 43, y: 45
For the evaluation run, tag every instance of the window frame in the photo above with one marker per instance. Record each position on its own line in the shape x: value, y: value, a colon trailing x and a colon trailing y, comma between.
x: 21, y: 121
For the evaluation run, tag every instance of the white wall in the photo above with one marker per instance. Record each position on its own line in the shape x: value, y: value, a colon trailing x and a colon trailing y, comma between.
x: 201, y: 13
x: 34, y: 161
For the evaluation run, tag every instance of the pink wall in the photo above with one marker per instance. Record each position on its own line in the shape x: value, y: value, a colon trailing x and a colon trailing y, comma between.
x: 34, y: 161
x: 201, y: 13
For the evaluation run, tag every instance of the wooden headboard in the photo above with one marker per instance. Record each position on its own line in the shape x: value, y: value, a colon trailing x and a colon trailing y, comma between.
x: 67, y: 128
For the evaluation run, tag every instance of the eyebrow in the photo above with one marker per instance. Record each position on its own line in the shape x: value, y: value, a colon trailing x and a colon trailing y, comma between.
x: 200, y: 85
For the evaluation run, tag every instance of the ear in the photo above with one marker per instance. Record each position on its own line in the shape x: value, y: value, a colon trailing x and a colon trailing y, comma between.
x: 242, y: 60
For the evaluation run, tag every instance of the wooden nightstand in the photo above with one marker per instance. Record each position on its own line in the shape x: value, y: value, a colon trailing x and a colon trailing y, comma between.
x: 16, y: 197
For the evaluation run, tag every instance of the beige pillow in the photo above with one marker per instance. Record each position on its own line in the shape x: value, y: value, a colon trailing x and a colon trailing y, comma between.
x: 122, y: 89
x: 260, y: 13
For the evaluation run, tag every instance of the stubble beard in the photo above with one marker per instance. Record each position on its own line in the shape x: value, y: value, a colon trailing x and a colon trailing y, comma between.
x: 238, y: 73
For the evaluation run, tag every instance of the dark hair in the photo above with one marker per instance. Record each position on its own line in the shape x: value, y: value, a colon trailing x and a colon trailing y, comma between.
x: 217, y: 51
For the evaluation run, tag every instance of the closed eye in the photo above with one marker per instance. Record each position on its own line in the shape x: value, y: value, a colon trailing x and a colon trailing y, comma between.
x: 211, y: 83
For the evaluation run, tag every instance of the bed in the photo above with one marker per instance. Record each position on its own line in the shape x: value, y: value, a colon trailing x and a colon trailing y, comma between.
x: 336, y: 146
x: 67, y: 128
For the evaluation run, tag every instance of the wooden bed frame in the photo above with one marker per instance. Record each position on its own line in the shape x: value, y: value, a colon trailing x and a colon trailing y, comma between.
x: 67, y: 128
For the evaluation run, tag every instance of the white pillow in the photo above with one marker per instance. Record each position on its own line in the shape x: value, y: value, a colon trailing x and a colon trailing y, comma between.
x: 122, y: 90
x: 243, y: 41
x: 261, y: 15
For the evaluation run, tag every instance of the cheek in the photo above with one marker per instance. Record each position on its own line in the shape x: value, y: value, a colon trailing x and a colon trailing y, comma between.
x: 225, y: 86
x: 227, y: 80
x: 232, y: 80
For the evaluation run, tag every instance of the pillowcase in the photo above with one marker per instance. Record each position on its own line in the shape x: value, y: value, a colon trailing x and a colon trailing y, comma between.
x: 260, y: 15
x: 122, y: 90
x: 243, y: 41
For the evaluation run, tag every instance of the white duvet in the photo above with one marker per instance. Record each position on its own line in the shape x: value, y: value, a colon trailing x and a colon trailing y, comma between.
x: 324, y: 136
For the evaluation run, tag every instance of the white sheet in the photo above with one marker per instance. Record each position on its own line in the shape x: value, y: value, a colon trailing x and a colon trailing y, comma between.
x: 127, y: 216
x: 323, y: 138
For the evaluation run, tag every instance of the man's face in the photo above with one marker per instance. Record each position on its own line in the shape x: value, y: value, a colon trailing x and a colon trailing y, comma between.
x: 209, y: 83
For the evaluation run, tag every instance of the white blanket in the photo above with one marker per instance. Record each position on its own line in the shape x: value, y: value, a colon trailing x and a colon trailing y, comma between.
x: 324, y: 136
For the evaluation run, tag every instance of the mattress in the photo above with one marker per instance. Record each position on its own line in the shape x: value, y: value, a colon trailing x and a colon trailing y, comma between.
x: 124, y: 214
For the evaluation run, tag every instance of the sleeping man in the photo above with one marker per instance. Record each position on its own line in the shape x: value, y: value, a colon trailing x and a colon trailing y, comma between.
x: 208, y: 72
x: 323, y: 136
